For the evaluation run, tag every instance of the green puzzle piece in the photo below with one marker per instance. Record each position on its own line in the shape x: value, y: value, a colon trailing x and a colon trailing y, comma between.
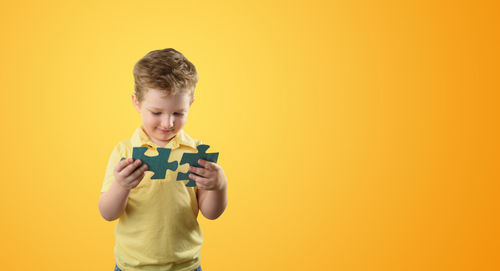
x: 192, y: 159
x: 157, y: 164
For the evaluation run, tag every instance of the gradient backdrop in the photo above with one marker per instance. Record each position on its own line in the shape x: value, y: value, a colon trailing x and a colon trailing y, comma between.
x: 356, y: 135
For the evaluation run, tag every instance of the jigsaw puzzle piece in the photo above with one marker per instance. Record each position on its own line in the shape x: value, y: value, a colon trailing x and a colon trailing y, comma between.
x: 157, y: 164
x: 192, y: 160
x: 185, y: 176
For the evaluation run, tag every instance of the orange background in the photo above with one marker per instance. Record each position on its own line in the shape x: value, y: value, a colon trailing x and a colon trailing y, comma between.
x: 356, y: 135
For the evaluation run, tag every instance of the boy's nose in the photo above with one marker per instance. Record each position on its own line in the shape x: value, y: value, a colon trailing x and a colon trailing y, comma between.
x: 167, y: 122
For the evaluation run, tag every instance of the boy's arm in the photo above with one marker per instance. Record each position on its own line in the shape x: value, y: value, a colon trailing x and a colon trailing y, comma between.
x: 112, y: 203
x: 212, y: 203
x: 212, y: 188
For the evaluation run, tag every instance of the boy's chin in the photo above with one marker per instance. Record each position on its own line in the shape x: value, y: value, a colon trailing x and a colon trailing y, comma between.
x: 165, y: 136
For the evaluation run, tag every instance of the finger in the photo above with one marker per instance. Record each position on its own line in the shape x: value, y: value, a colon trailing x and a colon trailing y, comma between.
x: 136, y: 174
x: 135, y: 183
x: 130, y: 168
x: 122, y: 164
x: 200, y: 171
x: 206, y: 164
x: 140, y: 178
x: 201, y: 186
x: 198, y: 179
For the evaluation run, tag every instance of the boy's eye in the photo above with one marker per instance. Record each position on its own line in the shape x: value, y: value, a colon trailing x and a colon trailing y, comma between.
x: 159, y: 113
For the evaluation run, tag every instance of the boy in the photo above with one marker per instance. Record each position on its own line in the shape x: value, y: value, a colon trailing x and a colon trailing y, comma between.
x: 157, y: 229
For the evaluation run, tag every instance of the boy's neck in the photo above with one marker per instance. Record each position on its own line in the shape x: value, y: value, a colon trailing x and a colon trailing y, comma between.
x: 160, y: 144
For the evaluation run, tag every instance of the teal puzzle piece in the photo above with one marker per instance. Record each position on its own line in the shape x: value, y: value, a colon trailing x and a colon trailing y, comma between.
x: 192, y: 159
x: 157, y: 164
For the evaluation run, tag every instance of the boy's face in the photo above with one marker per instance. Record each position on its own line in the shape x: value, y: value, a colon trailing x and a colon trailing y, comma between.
x: 163, y: 116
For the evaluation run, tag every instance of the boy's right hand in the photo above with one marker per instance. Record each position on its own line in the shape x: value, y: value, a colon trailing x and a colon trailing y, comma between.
x: 126, y: 174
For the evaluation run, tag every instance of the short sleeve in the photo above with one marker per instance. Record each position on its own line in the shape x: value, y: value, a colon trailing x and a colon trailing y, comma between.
x: 114, y: 158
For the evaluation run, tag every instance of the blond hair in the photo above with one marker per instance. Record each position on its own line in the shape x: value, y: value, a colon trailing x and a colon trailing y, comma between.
x: 167, y: 70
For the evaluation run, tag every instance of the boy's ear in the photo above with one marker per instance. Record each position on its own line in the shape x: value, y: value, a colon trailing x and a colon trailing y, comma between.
x: 136, y: 103
x: 191, y: 102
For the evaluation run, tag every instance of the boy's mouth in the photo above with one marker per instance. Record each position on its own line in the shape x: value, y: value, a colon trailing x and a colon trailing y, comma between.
x: 165, y: 131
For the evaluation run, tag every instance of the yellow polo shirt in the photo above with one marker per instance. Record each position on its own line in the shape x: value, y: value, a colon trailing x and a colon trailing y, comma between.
x: 158, y: 229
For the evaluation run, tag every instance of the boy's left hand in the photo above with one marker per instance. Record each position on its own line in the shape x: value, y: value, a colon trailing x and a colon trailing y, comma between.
x: 211, y: 176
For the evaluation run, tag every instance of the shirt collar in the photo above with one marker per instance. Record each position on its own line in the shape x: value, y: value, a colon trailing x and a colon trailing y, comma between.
x: 141, y: 139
